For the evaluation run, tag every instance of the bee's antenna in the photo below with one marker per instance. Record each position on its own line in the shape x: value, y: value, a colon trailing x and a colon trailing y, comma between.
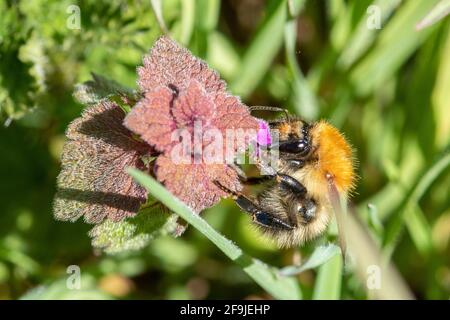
x: 270, y: 108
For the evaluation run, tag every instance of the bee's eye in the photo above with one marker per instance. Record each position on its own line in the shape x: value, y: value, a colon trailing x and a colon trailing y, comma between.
x: 300, y: 147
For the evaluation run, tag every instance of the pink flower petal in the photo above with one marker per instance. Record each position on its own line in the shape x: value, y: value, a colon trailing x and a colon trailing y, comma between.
x: 264, y: 138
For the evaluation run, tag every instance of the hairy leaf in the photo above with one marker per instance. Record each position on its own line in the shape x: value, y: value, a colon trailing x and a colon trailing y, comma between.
x: 133, y: 233
x: 92, y: 182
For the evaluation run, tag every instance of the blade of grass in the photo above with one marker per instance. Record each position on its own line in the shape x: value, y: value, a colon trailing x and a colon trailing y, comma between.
x: 320, y: 256
x: 441, y: 95
x: 222, y: 56
x: 157, y: 9
x: 396, y: 226
x: 374, y: 219
x: 439, y: 12
x: 262, y: 50
x: 187, y: 20
x: 328, y: 283
x: 208, y: 13
x: 267, y: 277
x: 206, y: 18
x: 419, y: 228
x: 341, y: 12
x: 304, y: 100
x: 397, y: 41
x: 363, y: 36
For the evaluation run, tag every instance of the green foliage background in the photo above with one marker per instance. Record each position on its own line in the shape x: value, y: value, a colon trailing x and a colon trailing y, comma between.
x: 387, y: 89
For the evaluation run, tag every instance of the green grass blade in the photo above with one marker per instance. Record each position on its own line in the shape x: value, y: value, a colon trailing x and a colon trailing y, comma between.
x: 328, y: 283
x: 187, y: 20
x: 208, y: 12
x: 439, y: 12
x: 419, y: 228
x: 430, y: 176
x: 321, y: 255
x: 262, y: 50
x: 374, y: 219
x: 157, y: 9
x: 222, y: 55
x: 441, y: 96
x: 363, y: 37
x: 304, y: 100
x: 422, y: 185
x: 267, y: 277
x: 397, y: 41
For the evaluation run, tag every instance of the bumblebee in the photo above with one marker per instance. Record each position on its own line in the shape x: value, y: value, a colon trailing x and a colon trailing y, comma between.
x: 295, y: 204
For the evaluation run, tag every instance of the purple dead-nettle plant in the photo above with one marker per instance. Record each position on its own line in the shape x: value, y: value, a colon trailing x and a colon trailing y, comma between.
x: 181, y: 92
x: 178, y: 95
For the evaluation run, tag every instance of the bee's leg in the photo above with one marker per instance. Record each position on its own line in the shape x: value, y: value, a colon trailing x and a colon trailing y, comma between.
x: 291, y: 184
x: 259, y: 216
x: 257, y: 180
x: 285, y: 180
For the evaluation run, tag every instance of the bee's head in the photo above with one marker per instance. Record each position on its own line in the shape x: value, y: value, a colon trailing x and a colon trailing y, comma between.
x: 321, y: 150
x: 294, y: 138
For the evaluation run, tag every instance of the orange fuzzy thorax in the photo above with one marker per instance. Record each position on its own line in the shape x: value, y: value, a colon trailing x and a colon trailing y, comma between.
x: 334, y: 157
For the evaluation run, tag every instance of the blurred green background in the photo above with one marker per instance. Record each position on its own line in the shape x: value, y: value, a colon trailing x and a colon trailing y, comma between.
x: 387, y: 89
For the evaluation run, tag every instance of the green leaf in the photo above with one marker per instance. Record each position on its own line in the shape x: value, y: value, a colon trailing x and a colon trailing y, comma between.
x: 367, y: 261
x: 266, y: 276
x: 329, y: 278
x: 58, y: 290
x: 320, y: 256
x: 93, y: 91
x: 23, y: 67
x: 133, y: 233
